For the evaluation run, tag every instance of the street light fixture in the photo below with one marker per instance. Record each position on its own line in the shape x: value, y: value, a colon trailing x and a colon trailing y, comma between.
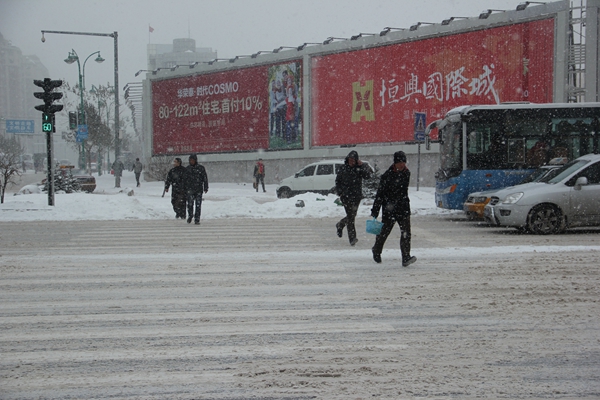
x: 115, y: 36
x: 73, y: 56
x: 387, y: 30
x: 524, y: 5
x: 356, y: 37
x: 331, y: 39
x: 418, y: 24
x: 486, y: 13
x: 449, y: 20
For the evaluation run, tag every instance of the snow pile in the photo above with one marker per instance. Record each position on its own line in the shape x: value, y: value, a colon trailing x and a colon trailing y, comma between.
x: 223, y: 200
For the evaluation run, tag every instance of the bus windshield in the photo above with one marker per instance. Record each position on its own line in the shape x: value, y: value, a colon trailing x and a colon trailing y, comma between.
x: 451, y: 148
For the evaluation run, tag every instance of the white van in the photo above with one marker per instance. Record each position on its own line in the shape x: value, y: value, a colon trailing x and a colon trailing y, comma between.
x: 317, y: 177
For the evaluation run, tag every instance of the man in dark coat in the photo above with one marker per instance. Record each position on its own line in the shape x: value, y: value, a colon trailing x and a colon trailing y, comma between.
x: 348, y: 185
x: 195, y: 182
x: 259, y: 174
x: 178, y: 194
x: 392, y: 196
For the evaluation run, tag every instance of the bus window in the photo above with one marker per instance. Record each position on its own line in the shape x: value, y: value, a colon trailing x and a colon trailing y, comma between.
x: 486, y: 148
x: 516, y: 151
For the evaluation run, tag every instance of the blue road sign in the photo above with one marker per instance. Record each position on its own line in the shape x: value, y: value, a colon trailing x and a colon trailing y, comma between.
x: 82, y: 133
x: 420, y: 125
x: 20, y: 126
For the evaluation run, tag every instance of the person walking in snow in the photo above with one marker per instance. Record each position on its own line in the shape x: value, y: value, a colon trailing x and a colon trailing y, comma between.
x: 178, y: 195
x: 118, y: 168
x: 392, y: 196
x: 137, y: 170
x: 195, y: 183
x: 348, y: 185
x: 259, y: 174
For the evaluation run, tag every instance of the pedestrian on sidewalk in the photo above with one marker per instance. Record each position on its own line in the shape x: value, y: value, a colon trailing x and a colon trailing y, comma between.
x: 392, y: 196
x: 259, y: 174
x: 118, y: 168
x: 195, y: 183
x: 348, y: 185
x: 137, y: 170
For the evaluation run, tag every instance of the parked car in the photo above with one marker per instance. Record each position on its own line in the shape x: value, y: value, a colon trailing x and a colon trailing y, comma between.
x: 317, y: 177
x: 87, y: 182
x: 477, y: 201
x: 569, y: 199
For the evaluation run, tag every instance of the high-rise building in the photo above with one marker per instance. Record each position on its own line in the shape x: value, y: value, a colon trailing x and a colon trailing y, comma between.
x: 17, y: 72
x: 181, y: 52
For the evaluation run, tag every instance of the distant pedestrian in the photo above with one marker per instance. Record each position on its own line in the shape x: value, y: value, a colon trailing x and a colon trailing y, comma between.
x: 392, y: 196
x: 195, y: 183
x: 259, y: 174
x: 137, y: 170
x: 175, y: 178
x: 118, y: 168
x: 348, y: 185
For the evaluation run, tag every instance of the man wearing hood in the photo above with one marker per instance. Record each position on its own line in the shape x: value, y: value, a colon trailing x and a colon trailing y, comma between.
x: 348, y: 185
x: 178, y: 194
x: 195, y: 182
x: 392, y: 196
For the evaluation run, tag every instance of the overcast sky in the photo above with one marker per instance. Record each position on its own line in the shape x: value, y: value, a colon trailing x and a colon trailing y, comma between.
x: 231, y: 27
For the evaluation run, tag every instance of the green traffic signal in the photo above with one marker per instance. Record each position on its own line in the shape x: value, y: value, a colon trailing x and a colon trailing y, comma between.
x: 48, y: 123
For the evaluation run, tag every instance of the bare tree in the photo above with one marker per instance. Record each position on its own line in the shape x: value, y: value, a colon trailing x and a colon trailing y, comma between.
x: 159, y: 167
x: 10, y: 161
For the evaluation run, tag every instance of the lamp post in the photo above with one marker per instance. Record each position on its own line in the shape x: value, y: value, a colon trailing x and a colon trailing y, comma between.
x: 115, y: 36
x: 70, y: 60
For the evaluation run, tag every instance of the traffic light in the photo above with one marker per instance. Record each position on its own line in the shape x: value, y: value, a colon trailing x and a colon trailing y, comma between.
x: 48, y: 123
x: 72, y: 120
x: 48, y: 96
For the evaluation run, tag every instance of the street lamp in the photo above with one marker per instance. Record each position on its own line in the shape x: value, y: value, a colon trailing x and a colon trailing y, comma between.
x: 115, y: 37
x: 70, y: 60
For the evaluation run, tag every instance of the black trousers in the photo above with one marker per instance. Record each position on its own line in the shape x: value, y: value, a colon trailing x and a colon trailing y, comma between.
x: 194, y: 198
x: 178, y: 201
x: 388, y: 224
x: 351, y: 208
x: 260, y: 179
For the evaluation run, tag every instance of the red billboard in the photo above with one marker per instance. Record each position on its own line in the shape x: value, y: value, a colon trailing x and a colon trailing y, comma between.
x: 238, y: 110
x: 372, y: 95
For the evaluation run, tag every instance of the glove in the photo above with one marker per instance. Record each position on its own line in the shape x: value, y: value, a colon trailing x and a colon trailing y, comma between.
x: 374, y: 214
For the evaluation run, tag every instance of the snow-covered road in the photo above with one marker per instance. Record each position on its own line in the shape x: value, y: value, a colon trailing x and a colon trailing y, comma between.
x: 283, y: 309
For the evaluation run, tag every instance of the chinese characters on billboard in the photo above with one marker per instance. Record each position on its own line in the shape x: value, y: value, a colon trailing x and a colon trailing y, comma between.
x: 239, y: 110
x: 371, y: 95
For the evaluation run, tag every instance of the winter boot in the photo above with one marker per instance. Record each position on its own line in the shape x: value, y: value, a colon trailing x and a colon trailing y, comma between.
x: 376, y: 257
x: 407, y: 261
x: 340, y: 229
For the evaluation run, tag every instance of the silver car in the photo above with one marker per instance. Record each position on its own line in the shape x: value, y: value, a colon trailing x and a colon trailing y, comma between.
x: 570, y: 199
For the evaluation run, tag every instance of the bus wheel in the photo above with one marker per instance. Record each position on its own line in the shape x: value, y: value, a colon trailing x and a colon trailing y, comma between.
x: 544, y: 219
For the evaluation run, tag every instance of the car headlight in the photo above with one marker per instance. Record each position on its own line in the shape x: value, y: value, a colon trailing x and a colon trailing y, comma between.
x: 480, y: 199
x: 512, y: 198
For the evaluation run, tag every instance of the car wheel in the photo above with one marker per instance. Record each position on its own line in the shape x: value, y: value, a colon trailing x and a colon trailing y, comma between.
x: 544, y: 219
x: 284, y: 193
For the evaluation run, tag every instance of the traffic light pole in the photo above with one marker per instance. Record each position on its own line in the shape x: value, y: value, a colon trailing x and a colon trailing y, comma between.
x: 50, y: 174
x: 48, y: 110
x: 115, y: 37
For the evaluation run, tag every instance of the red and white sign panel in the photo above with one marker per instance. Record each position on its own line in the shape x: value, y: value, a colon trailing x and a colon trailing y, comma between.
x: 370, y: 96
x: 220, y: 112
